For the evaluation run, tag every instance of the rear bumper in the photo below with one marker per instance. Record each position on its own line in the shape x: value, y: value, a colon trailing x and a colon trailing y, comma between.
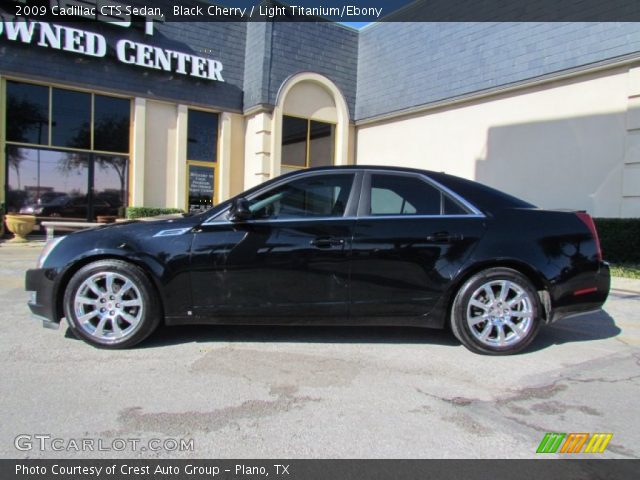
x: 585, y: 294
x: 41, y: 283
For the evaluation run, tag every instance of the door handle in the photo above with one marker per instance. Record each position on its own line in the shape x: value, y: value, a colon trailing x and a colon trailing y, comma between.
x: 444, y: 237
x: 326, y: 242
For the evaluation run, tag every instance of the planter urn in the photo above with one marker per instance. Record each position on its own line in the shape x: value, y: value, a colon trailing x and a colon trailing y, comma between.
x: 20, y: 226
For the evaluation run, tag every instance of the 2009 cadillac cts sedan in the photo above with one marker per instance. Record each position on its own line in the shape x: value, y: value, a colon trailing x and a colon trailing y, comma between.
x: 332, y: 246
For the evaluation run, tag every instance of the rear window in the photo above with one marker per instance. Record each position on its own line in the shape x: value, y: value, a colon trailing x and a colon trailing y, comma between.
x: 409, y: 195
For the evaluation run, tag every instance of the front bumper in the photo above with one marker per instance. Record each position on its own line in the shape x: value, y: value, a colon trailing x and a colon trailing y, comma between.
x: 41, y: 283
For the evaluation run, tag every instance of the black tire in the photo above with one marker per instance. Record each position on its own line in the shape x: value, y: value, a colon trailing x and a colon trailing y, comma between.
x: 488, y: 324
x: 107, y: 312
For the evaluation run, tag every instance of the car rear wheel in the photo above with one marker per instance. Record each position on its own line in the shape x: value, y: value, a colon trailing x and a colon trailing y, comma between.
x: 496, y: 312
x: 111, y: 304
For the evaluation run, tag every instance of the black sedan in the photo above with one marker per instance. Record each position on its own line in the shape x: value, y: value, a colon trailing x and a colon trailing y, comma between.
x: 332, y: 246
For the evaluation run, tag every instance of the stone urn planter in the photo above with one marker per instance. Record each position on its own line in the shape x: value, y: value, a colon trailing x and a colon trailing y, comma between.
x: 20, y: 226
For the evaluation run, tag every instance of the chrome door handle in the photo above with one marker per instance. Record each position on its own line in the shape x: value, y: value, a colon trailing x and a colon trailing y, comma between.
x: 444, y: 237
x: 326, y: 242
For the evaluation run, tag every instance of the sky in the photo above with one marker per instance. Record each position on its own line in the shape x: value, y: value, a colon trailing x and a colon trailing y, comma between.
x: 357, y: 25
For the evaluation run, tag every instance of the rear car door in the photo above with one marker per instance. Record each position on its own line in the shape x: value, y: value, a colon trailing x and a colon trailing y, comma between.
x: 289, y: 263
x: 410, y: 238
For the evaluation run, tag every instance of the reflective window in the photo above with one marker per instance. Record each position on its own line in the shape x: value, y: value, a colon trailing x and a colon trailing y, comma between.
x: 294, y: 141
x: 306, y: 143
x: 28, y: 113
x: 407, y: 195
x: 110, y: 180
x: 111, y: 119
x: 321, y: 144
x: 71, y: 122
x: 316, y: 196
x: 50, y: 183
x: 201, y: 187
x: 77, y: 183
x: 47, y: 183
x: 202, y: 136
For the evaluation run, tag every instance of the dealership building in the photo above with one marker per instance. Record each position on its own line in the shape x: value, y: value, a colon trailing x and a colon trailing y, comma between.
x: 97, y: 116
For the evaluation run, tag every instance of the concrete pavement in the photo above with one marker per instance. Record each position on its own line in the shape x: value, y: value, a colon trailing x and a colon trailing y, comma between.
x: 247, y: 392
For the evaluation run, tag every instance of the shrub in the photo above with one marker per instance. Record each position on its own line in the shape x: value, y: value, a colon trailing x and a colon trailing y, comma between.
x: 139, y: 212
x: 620, y: 239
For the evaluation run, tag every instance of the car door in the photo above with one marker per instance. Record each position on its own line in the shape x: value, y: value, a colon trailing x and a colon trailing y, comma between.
x: 410, y: 239
x: 288, y: 263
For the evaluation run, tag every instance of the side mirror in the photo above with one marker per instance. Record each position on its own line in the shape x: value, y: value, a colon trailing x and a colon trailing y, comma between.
x: 240, y: 211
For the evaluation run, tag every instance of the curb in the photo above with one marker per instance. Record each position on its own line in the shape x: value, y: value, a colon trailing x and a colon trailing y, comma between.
x: 628, y: 285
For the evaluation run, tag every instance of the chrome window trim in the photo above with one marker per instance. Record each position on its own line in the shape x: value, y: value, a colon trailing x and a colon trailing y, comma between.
x: 355, y: 184
x: 468, y: 205
x: 349, y: 218
x: 474, y: 211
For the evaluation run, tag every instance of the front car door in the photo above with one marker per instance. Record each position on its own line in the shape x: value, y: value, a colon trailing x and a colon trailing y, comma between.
x: 411, y: 237
x: 289, y: 263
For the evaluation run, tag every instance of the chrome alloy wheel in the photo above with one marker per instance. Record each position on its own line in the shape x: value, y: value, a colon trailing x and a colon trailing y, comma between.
x: 108, y: 306
x: 500, y: 313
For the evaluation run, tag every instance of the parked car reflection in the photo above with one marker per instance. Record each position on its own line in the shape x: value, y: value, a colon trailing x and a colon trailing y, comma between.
x: 71, y: 207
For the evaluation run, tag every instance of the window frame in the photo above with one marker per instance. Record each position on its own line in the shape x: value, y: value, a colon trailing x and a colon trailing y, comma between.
x: 308, y: 142
x: 349, y: 211
x: 364, y: 205
x: 4, y: 143
x: 202, y: 163
x: 49, y: 144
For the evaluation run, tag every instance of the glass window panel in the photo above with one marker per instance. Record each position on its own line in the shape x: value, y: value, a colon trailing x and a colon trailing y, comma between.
x: 47, y: 183
x: 294, y: 141
x: 110, y: 185
x: 111, y: 120
x: 202, y: 136
x: 201, y: 187
x: 322, y: 144
x: 401, y: 195
x: 71, y: 122
x: 451, y: 207
x: 27, y: 113
x: 318, y: 196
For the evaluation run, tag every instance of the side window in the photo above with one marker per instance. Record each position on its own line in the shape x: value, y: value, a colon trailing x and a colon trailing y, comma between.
x: 406, y: 195
x: 316, y: 196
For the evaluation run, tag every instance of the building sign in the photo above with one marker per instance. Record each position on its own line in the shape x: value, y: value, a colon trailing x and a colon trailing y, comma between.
x: 201, y: 181
x: 83, y: 42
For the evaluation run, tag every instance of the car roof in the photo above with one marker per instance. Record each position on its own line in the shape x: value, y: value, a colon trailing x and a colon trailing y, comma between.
x: 482, y: 196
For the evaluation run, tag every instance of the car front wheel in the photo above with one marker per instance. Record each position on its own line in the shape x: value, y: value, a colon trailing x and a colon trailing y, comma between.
x: 111, y: 304
x: 496, y: 312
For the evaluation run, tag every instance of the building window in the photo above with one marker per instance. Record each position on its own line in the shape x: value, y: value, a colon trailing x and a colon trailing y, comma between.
x: 71, y: 119
x: 306, y: 143
x: 202, y: 155
x: 66, y: 151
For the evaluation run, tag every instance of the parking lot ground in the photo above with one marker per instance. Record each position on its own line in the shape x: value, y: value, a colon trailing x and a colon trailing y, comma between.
x: 280, y: 392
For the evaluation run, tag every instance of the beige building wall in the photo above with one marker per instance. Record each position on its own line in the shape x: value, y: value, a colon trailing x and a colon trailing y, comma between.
x: 230, y: 156
x: 159, y: 154
x: 257, y: 148
x: 573, y: 143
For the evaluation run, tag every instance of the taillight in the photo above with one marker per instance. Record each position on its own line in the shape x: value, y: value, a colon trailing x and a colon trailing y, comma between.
x: 588, y: 221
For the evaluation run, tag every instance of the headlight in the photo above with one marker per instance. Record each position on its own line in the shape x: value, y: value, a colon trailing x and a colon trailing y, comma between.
x: 26, y: 210
x: 48, y: 248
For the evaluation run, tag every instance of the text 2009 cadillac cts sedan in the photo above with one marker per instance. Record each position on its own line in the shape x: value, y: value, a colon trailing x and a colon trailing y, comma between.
x: 332, y: 246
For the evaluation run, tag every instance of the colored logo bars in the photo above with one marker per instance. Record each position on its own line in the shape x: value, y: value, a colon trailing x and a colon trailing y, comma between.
x: 574, y: 443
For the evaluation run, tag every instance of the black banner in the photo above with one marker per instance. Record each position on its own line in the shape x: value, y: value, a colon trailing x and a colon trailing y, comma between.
x: 319, y: 469
x: 124, y: 11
